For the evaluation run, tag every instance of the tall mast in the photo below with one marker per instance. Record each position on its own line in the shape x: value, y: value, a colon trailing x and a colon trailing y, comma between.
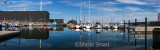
x: 123, y: 15
x: 81, y: 11
x: 111, y: 19
x: 98, y: 10
x: 84, y: 10
x: 41, y: 5
x: 114, y: 15
x: 102, y: 14
x: 89, y: 8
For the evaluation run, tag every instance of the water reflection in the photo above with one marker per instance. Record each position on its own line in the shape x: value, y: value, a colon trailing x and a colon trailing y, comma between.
x: 156, y: 40
x: 62, y: 38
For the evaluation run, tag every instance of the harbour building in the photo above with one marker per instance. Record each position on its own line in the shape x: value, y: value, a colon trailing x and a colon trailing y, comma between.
x: 34, y: 16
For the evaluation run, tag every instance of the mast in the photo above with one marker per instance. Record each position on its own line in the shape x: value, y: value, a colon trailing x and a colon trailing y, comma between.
x: 89, y: 9
x: 41, y: 5
x: 80, y: 12
x: 114, y: 15
x: 102, y: 14
x: 123, y: 15
x: 84, y: 11
x: 111, y: 19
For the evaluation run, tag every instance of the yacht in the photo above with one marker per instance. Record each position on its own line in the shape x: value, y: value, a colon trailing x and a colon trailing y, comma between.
x: 115, y: 26
x: 121, y: 25
x: 78, y: 27
x: 83, y: 25
x: 89, y: 25
x: 97, y: 26
x: 106, y: 26
x: 54, y: 24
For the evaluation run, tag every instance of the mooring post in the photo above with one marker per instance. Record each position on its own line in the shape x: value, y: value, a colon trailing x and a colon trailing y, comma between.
x: 145, y: 25
x: 135, y: 22
x: 145, y: 33
x: 129, y: 24
x: 124, y: 24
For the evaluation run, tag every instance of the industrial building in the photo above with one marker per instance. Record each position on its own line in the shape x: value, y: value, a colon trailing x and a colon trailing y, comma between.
x: 34, y: 16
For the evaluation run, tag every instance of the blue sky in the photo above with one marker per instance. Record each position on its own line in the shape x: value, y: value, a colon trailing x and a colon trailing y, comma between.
x: 68, y: 9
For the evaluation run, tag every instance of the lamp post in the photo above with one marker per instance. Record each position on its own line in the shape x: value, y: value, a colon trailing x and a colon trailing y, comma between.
x: 6, y: 4
x: 6, y: 10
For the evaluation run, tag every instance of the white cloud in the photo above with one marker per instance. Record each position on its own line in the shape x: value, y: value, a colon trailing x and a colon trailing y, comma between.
x: 134, y: 9
x: 110, y: 3
x: 47, y: 3
x: 111, y: 9
x: 132, y: 2
x: 158, y: 9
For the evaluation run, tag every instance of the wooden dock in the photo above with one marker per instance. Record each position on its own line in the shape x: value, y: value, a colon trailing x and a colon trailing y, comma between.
x: 143, y: 28
x: 8, y: 33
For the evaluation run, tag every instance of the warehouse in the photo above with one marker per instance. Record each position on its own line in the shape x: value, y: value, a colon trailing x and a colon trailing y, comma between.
x: 35, y: 16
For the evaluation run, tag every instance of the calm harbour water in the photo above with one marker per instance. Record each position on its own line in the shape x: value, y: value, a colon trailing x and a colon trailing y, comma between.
x: 62, y: 38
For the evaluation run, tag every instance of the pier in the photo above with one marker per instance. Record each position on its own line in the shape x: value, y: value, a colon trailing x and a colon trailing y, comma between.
x: 8, y: 33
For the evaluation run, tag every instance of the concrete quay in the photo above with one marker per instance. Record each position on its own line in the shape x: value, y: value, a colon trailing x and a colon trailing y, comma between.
x: 8, y: 33
x: 143, y: 28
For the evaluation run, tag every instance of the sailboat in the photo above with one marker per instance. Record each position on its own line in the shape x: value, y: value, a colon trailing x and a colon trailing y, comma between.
x: 115, y: 26
x: 88, y: 26
x: 97, y: 26
x: 121, y: 24
x: 79, y: 26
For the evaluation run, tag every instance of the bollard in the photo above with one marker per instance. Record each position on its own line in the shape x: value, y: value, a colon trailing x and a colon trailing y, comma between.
x: 0, y: 27
x: 145, y: 25
x: 124, y: 24
x: 129, y: 24
x: 135, y: 22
